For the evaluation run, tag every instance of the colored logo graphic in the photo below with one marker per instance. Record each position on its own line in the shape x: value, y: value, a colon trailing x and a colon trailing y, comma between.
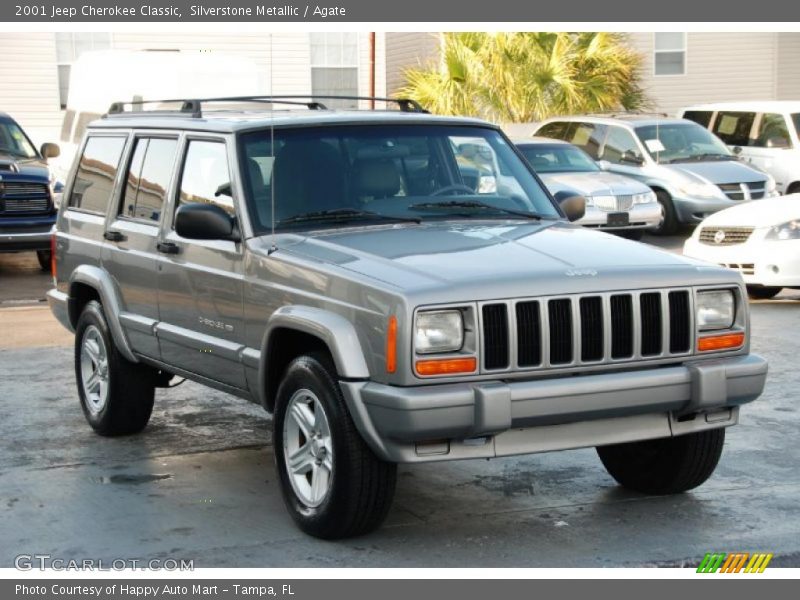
x: 738, y: 562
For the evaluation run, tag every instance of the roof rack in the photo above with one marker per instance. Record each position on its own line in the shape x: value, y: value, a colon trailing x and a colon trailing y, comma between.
x: 194, y: 107
x: 627, y: 113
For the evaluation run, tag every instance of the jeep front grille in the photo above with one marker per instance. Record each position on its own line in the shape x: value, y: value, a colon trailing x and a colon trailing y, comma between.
x: 729, y: 236
x: 586, y: 329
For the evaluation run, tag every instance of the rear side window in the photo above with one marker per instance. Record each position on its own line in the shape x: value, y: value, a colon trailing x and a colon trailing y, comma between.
x: 734, y: 128
x: 772, y: 132
x: 97, y: 170
x: 148, y: 178
x: 701, y: 117
x: 205, y: 177
x: 556, y: 131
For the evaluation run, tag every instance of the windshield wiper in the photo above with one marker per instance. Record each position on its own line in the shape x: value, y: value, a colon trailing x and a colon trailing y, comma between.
x: 704, y: 156
x: 345, y: 214
x: 475, y: 204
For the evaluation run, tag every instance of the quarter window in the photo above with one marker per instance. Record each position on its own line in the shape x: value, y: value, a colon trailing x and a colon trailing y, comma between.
x: 670, y: 54
x: 734, y: 128
x: 205, y: 177
x: 97, y: 170
x: 148, y: 178
x: 556, y: 130
x: 701, y: 117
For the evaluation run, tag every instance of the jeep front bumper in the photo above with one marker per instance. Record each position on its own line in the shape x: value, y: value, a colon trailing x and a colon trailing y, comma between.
x: 503, y: 418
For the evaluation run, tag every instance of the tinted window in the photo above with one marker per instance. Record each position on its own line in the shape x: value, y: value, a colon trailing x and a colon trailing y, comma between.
x: 560, y: 158
x: 148, y: 178
x: 205, y: 177
x: 701, y: 117
x: 556, y: 131
x: 13, y: 140
x: 772, y: 132
x: 94, y: 182
x: 621, y: 147
x: 588, y: 136
x: 734, y: 128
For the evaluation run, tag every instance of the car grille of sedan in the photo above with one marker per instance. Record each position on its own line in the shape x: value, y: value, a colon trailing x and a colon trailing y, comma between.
x: 744, y: 191
x: 544, y: 333
x: 613, y: 203
x: 725, y: 236
x: 24, y: 197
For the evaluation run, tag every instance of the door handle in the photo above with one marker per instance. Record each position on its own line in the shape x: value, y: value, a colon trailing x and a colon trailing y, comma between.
x: 167, y: 247
x: 114, y: 236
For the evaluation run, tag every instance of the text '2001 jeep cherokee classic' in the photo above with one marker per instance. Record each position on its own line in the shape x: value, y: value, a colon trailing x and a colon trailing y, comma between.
x: 346, y: 271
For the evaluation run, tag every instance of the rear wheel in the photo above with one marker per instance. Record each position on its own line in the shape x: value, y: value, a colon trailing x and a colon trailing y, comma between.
x: 44, y: 259
x: 761, y: 292
x: 332, y: 483
x: 668, y: 224
x: 116, y: 395
x: 665, y: 466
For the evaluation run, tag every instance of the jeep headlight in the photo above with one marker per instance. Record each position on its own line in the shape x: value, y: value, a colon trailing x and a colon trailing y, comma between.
x: 645, y: 198
x: 701, y: 190
x: 715, y: 310
x: 438, y: 331
x: 785, y: 231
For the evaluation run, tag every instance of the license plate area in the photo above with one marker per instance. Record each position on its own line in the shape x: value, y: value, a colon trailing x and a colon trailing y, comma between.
x: 618, y: 219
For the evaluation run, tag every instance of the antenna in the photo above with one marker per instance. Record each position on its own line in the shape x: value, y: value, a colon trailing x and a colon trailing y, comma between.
x: 274, y: 245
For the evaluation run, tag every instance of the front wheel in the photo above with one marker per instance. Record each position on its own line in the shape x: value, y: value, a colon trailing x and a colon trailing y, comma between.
x: 664, y: 466
x: 332, y: 483
x: 760, y: 292
x: 668, y: 224
x: 44, y: 257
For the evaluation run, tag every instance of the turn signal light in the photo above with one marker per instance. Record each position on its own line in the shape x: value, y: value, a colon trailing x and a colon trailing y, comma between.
x: 391, y: 345
x: 53, y: 254
x: 726, y: 341
x: 446, y: 366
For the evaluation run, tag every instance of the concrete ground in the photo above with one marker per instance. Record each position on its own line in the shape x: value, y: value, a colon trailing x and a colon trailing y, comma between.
x: 200, y: 482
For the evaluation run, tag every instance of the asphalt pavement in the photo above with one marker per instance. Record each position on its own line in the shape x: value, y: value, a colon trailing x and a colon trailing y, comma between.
x: 200, y: 482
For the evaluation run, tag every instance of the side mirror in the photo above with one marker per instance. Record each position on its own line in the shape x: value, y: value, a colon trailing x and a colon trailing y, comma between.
x: 737, y: 150
x: 573, y: 205
x: 198, y: 221
x: 777, y: 142
x: 630, y: 157
x: 49, y: 150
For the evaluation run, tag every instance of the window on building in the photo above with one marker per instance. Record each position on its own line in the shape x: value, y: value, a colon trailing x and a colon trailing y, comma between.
x: 69, y: 46
x: 670, y: 53
x: 334, y: 67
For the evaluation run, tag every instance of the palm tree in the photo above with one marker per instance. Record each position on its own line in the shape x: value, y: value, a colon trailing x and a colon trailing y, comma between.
x: 526, y: 77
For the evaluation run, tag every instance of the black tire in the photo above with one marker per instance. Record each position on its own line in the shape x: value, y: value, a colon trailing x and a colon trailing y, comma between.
x: 793, y: 188
x: 130, y: 386
x: 760, y: 292
x: 632, y: 234
x: 361, y: 486
x: 665, y: 466
x: 669, y: 224
x: 44, y: 259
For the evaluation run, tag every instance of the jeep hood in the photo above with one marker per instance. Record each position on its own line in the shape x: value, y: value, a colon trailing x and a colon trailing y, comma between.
x: 488, y: 257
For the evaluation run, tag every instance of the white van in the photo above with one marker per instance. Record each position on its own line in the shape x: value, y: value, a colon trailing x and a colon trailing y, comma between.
x: 764, y: 134
x: 99, y: 78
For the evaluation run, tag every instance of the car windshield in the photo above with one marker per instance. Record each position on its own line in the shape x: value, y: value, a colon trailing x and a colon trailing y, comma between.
x: 558, y: 158
x: 14, y: 142
x: 324, y: 176
x: 682, y: 142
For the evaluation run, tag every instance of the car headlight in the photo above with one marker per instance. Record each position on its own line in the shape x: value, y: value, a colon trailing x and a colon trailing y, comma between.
x: 438, y: 331
x: 785, y: 231
x: 645, y: 198
x: 715, y: 310
x: 701, y: 190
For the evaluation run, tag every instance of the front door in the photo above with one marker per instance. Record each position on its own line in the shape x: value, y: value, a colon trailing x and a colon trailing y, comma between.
x: 200, y: 282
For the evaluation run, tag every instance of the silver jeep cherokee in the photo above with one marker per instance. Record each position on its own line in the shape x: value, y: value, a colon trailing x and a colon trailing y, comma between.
x: 347, y: 272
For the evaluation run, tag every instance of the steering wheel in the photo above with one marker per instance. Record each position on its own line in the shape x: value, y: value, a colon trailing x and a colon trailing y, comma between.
x: 456, y: 187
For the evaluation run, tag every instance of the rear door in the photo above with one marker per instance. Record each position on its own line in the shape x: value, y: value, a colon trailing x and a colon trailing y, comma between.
x: 200, y: 282
x: 132, y: 235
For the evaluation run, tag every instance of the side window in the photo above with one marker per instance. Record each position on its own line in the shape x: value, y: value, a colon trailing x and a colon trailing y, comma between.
x: 621, y: 147
x: 701, y: 117
x: 148, y: 178
x: 772, y: 132
x: 97, y: 170
x: 205, y: 177
x: 588, y: 136
x: 556, y: 130
x: 734, y: 128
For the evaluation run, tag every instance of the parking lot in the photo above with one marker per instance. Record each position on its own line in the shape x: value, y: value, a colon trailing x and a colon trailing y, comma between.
x: 200, y: 482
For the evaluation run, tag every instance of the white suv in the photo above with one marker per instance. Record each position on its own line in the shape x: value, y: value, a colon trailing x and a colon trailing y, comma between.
x: 764, y: 134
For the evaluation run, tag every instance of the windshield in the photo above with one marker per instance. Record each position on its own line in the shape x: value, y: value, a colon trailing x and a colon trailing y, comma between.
x: 13, y: 140
x: 323, y: 176
x: 682, y: 142
x: 558, y: 158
